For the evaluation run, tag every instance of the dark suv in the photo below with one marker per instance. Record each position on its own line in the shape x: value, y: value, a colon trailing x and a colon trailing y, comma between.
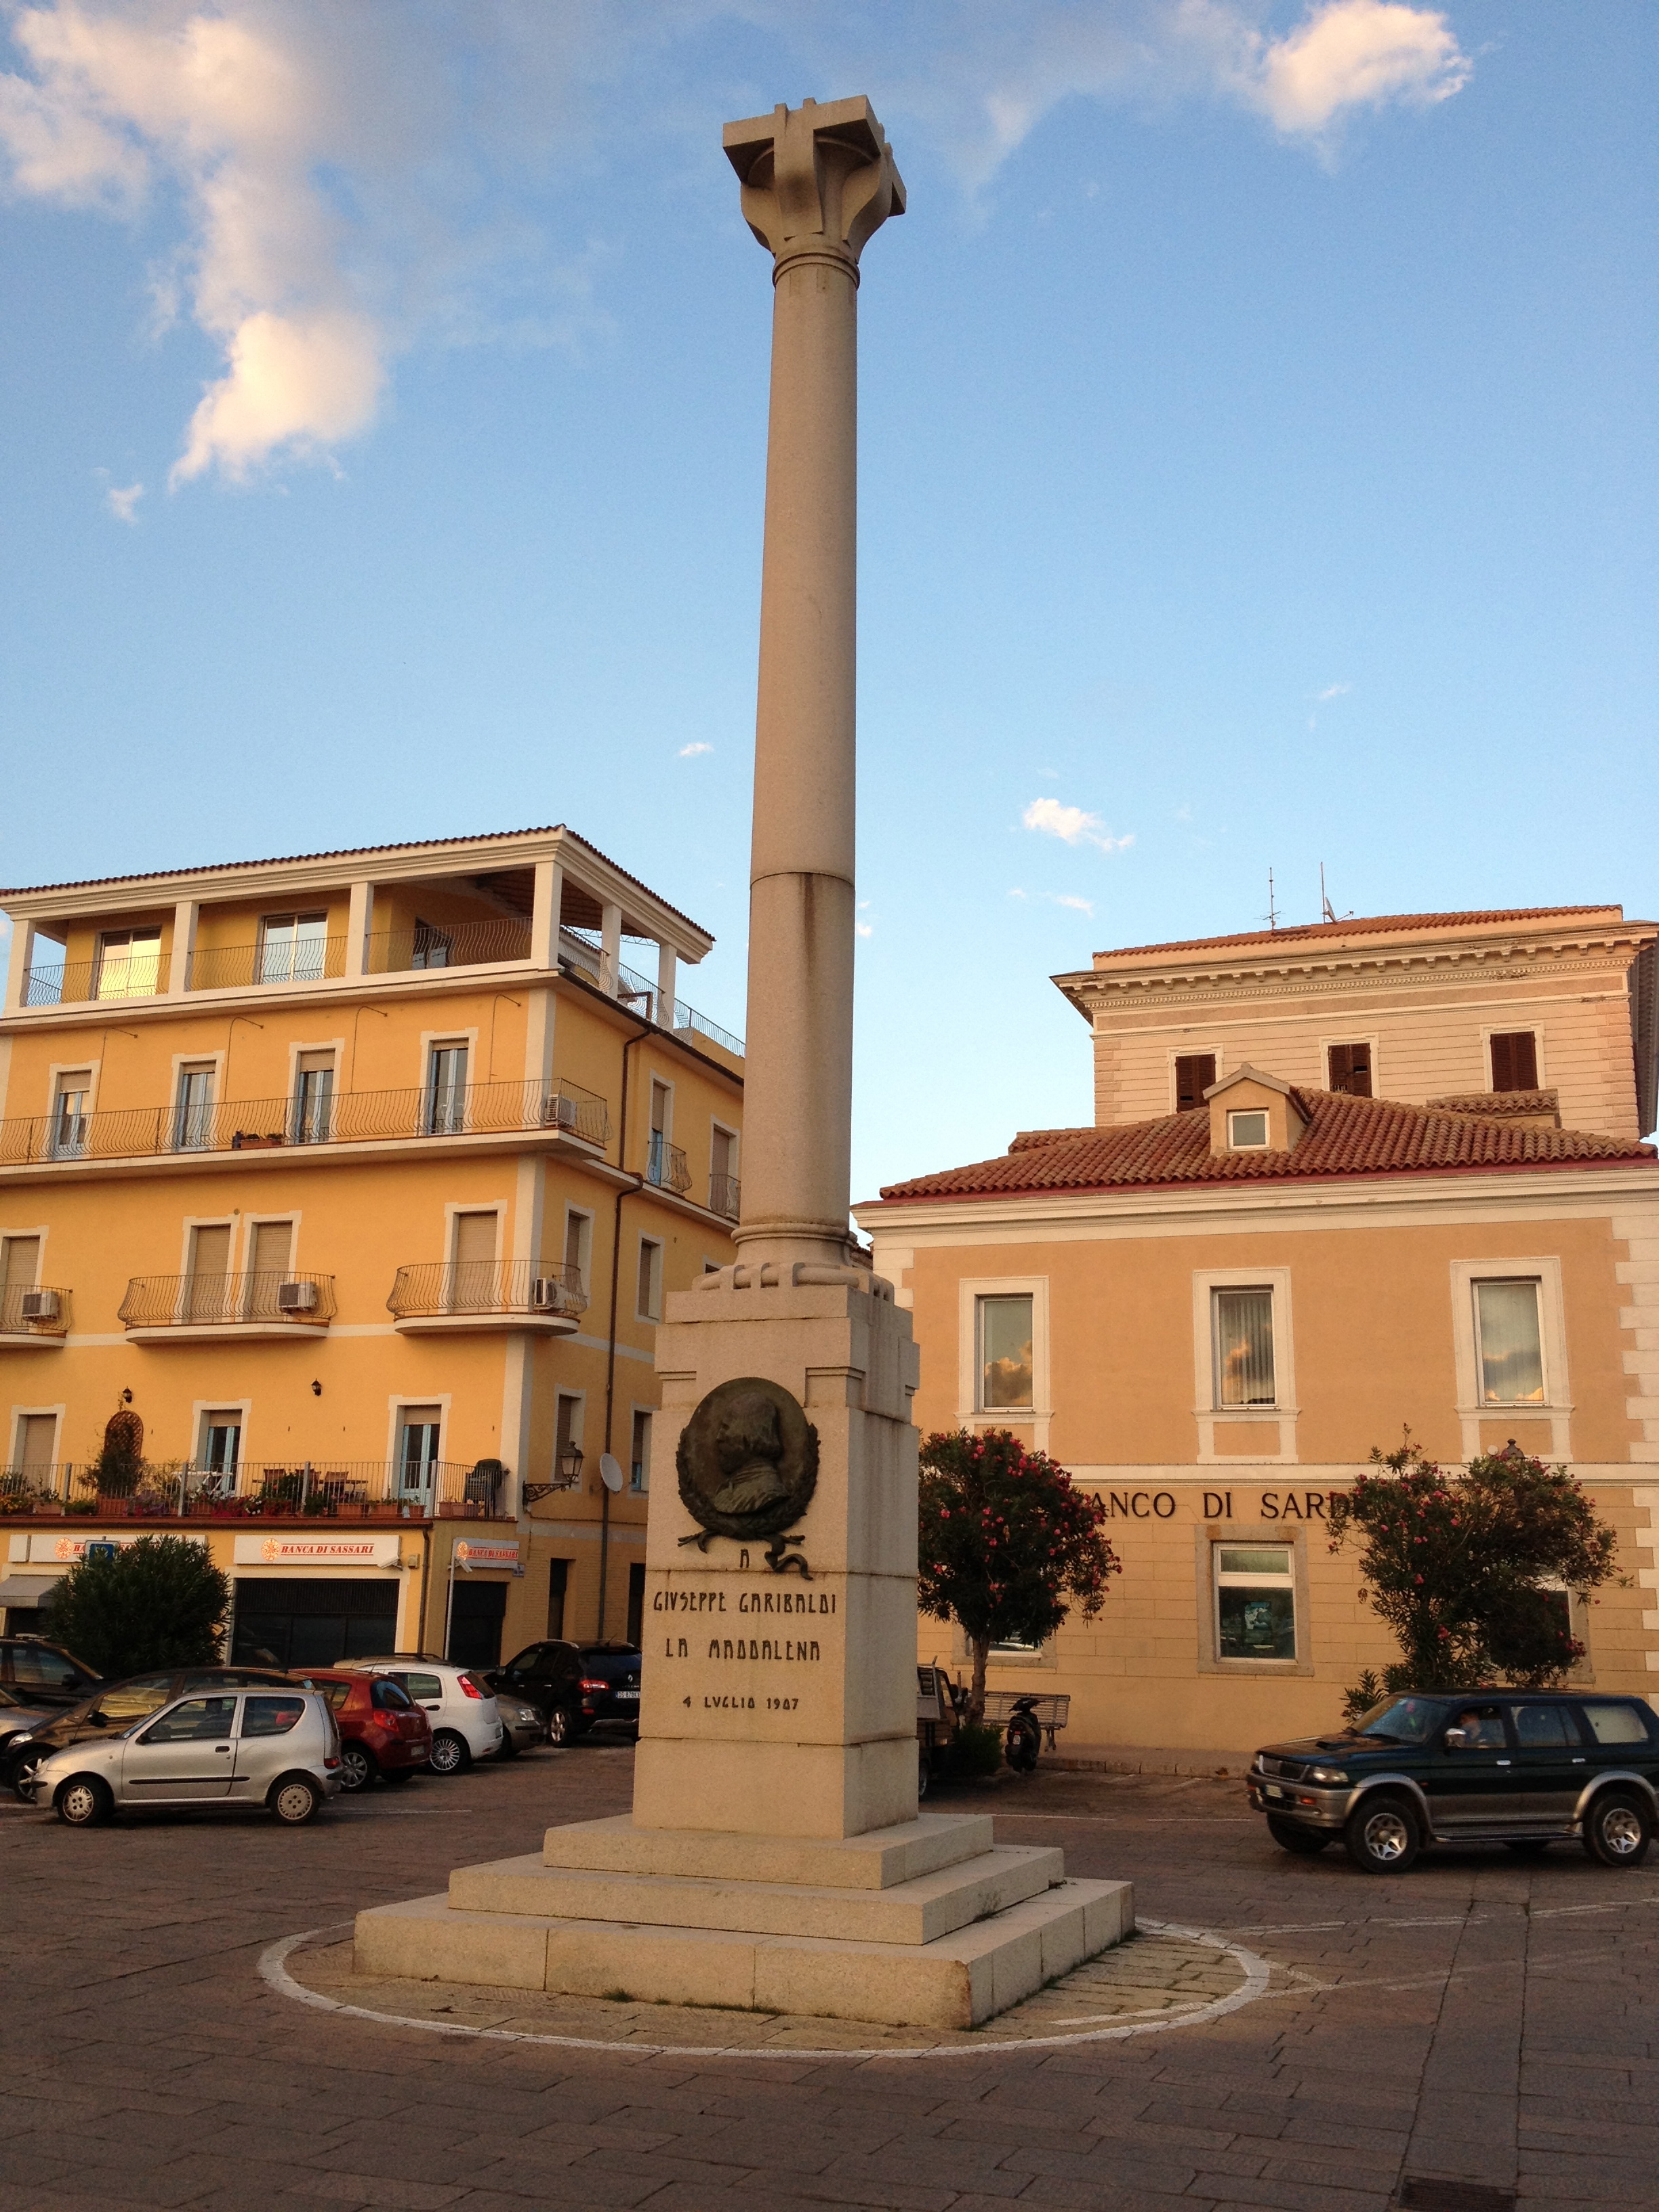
x: 117, y: 1706
x: 575, y: 1685
x: 42, y: 1674
x: 1525, y: 1768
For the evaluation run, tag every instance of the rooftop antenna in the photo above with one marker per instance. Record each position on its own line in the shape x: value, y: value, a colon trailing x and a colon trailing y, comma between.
x: 1326, y: 909
x: 1272, y: 915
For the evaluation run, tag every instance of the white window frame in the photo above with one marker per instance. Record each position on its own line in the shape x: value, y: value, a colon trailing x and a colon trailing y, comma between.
x: 1372, y: 1044
x: 201, y: 1413
x: 657, y: 1245
x: 452, y: 1210
x: 1278, y: 1423
x: 1237, y: 1144
x: 1250, y: 1536
x: 21, y: 1413
x: 642, y: 1489
x: 1545, y: 1269
x: 584, y: 1244
x: 1534, y: 1029
x: 970, y: 1414
x: 396, y: 1408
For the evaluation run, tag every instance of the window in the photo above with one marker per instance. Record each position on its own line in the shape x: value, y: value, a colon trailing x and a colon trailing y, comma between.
x: 648, y: 1297
x: 222, y: 1441
x: 1513, y: 1059
x: 270, y: 1259
x: 639, y: 1453
x: 1004, y: 1351
x: 207, y: 1288
x: 271, y: 1715
x: 1194, y: 1071
x: 198, y: 1720
x: 635, y: 1630
x: 417, y: 1446
x: 36, y: 1439
x: 35, y: 1669
x: 446, y: 1115
x: 1621, y: 1723
x: 1242, y: 1333
x: 292, y: 948
x: 1543, y: 1728
x: 1509, y: 1345
x: 1254, y: 1601
x: 71, y: 1099
x: 432, y: 947
x: 20, y: 1263
x: 1348, y: 1068
x: 129, y: 963
x: 132, y: 1700
x: 661, y: 1118
x: 723, y: 1173
x: 192, y: 1111
x: 472, y: 1275
x: 578, y: 1248
x: 313, y: 1099
x: 1247, y: 1130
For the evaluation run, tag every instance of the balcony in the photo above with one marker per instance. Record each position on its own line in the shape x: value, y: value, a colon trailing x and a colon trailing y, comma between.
x: 239, y: 966
x: 140, y: 974
x: 457, y: 944
x: 345, y: 1117
x: 309, y: 1490
x: 442, y: 1296
x: 724, y: 1192
x: 664, y: 1165
x: 582, y: 954
x: 32, y: 1316
x: 196, y: 1308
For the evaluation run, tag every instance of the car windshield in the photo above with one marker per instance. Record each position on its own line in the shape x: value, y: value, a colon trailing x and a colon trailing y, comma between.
x: 1401, y: 1720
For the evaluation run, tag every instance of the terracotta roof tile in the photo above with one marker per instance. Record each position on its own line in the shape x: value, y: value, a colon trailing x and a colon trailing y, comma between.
x: 1364, y: 926
x: 1345, y: 1137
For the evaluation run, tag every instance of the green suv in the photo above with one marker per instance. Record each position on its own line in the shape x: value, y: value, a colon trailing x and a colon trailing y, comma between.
x: 1525, y: 1768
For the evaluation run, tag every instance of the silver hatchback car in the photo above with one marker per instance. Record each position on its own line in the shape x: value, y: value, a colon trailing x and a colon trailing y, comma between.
x: 279, y: 1749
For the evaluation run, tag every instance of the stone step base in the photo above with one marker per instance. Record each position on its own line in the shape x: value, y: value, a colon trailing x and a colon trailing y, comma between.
x: 957, y: 1981
x: 910, y: 1913
x: 881, y: 1858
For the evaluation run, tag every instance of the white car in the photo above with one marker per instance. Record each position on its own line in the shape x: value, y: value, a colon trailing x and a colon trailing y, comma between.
x: 466, y: 1722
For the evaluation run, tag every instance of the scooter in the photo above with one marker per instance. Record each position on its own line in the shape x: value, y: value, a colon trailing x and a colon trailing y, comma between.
x: 1021, y: 1740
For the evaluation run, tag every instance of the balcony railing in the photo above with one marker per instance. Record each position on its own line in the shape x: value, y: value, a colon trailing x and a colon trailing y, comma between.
x: 32, y: 1309
x: 231, y: 967
x: 455, y: 945
x: 724, y: 1192
x: 110, y: 976
x: 218, y: 1301
x: 486, y: 1287
x: 321, y: 1489
x: 345, y: 1117
x: 664, y: 1165
x: 580, y: 950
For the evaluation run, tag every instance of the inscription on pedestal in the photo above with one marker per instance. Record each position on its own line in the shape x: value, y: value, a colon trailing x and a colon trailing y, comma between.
x: 747, y: 1648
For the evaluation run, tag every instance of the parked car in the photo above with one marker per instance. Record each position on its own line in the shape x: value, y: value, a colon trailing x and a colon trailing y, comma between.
x: 114, y: 1706
x: 16, y: 1715
x: 278, y: 1749
x: 43, y: 1673
x: 575, y: 1685
x: 466, y: 1722
x: 382, y: 1730
x: 1525, y: 1768
x: 522, y: 1724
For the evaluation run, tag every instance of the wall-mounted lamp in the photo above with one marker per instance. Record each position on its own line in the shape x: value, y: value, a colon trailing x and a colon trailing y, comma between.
x: 126, y: 1397
x: 570, y: 1465
x: 316, y: 1389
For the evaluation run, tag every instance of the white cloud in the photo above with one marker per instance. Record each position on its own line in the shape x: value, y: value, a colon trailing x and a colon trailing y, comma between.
x: 865, y: 928
x: 1332, y: 692
x: 1071, y: 825
x: 1356, y: 53
x: 122, y: 499
x: 1079, y: 905
x: 691, y: 752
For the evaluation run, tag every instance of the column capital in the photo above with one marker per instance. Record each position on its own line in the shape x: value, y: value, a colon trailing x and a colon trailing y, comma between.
x: 819, y: 182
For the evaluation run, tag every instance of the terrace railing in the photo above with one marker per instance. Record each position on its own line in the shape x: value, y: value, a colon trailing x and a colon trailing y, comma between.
x: 230, y: 967
x: 346, y: 1117
x: 33, y: 1310
x: 457, y: 944
x: 296, y: 1488
x: 217, y: 1301
x: 486, y: 1287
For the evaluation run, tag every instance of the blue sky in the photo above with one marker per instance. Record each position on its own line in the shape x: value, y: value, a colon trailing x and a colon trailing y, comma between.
x: 1257, y: 468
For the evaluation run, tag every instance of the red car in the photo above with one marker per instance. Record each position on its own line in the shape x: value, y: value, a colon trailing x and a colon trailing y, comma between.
x: 382, y: 1730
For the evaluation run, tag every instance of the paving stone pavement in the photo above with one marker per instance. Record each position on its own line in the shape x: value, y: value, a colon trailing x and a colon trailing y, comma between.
x: 1485, y: 2018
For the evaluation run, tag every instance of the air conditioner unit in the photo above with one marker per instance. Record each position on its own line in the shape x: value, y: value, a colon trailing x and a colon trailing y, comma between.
x: 296, y: 1297
x: 559, y: 1112
x: 39, y: 1305
x: 546, y: 1294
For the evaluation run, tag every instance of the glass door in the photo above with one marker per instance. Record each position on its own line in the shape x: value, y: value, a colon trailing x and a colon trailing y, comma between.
x: 446, y: 1105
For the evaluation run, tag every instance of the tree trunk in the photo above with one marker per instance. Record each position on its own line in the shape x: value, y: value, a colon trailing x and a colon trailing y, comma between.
x: 980, y: 1650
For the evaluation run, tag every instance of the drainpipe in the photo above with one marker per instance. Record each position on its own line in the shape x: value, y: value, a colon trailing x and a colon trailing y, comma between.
x: 611, y: 1344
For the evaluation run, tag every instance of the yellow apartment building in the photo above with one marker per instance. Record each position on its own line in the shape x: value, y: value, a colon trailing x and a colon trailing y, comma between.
x: 1341, y: 1179
x: 338, y: 1197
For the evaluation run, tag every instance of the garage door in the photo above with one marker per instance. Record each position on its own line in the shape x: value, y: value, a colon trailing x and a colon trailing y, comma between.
x: 475, y: 1624
x: 313, y: 1622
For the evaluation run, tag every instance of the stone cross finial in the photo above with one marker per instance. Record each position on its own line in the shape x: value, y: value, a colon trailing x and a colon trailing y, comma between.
x: 817, y: 182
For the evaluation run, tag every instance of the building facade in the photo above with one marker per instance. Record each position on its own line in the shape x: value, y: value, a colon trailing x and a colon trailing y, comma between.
x: 339, y: 1198
x: 1342, y: 1182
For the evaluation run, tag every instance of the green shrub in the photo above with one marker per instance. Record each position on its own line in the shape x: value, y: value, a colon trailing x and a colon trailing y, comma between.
x: 977, y: 1749
x: 160, y: 1602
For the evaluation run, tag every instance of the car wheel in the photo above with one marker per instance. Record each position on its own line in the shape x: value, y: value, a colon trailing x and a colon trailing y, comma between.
x: 356, y: 1767
x: 449, y: 1752
x: 562, y: 1728
x: 1305, y: 1842
x: 1618, y: 1829
x: 1383, y: 1834
x: 294, y: 1800
x: 23, y: 1774
x: 1529, y: 1847
x: 84, y: 1802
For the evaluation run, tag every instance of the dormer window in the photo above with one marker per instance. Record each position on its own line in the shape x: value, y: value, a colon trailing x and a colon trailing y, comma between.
x: 1247, y: 1129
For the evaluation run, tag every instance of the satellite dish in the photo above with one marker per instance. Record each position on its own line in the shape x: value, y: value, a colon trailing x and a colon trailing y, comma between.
x: 611, y: 1473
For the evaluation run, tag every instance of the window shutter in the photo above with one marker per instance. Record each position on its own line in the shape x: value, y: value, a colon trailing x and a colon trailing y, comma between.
x: 1350, y: 1069
x: 1514, y: 1060
x: 1195, y: 1073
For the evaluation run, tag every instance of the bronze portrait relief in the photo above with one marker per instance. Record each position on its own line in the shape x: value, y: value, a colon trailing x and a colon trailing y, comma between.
x: 748, y: 1460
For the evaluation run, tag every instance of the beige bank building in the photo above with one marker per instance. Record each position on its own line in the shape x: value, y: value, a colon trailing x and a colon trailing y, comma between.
x: 1341, y: 1180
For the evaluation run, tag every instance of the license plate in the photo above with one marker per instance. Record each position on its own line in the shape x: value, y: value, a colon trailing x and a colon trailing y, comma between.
x: 628, y: 1694
x: 1272, y: 1790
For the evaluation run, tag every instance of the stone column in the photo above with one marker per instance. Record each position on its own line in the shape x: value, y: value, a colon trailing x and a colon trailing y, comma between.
x: 817, y: 182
